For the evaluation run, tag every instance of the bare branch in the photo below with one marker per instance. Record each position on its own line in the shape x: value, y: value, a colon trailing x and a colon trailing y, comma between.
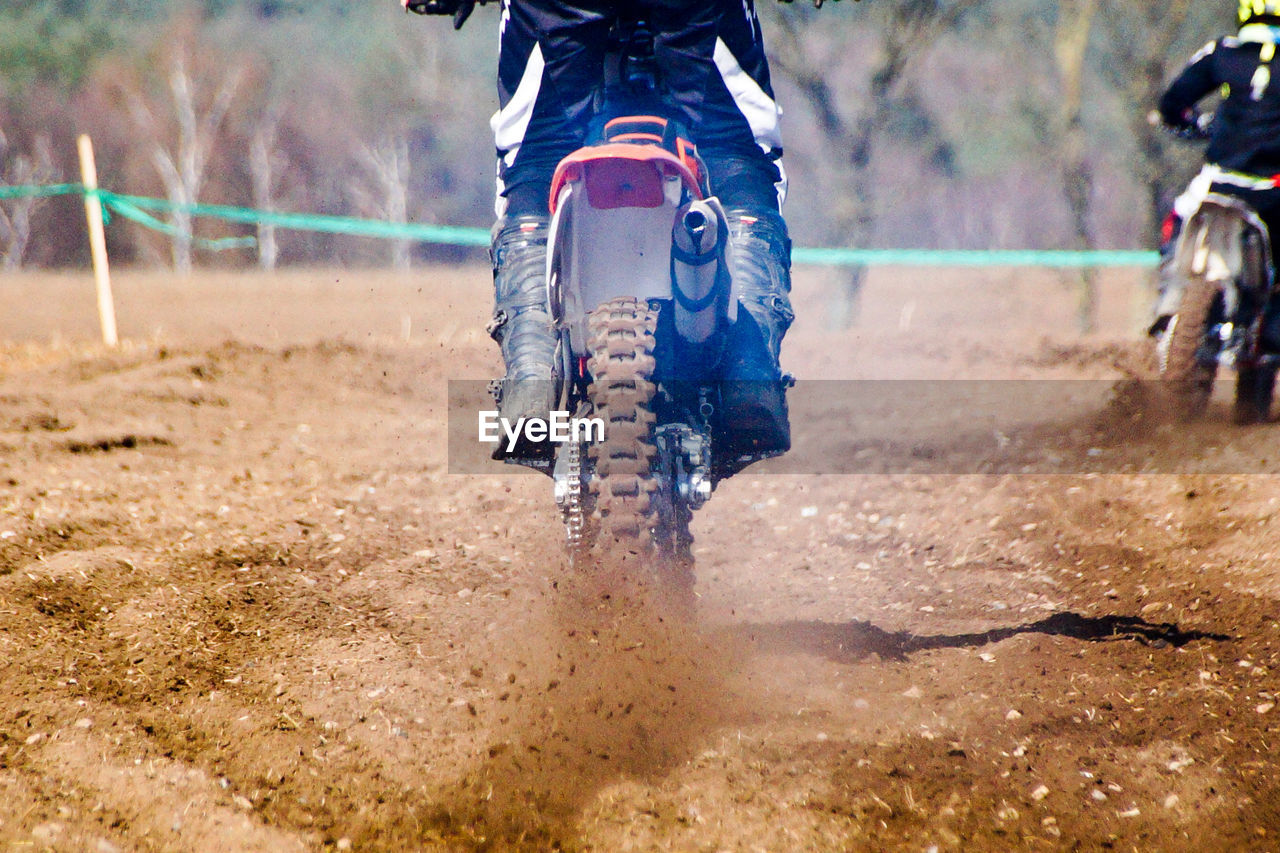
x: 264, y: 161
x: 387, y: 164
x: 15, y: 222
x: 182, y: 163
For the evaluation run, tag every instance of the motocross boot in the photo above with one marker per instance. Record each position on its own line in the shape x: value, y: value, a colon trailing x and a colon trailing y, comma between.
x: 753, y: 399
x: 522, y: 323
x: 1271, y: 326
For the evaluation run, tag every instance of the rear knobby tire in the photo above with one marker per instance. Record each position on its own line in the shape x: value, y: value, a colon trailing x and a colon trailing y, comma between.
x: 1185, y: 366
x: 621, y: 342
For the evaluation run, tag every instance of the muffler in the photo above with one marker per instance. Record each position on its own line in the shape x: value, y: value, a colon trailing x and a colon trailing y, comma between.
x: 702, y: 282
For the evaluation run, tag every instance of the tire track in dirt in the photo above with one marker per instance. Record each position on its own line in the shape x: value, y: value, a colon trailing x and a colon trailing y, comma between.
x: 299, y: 601
x: 158, y: 638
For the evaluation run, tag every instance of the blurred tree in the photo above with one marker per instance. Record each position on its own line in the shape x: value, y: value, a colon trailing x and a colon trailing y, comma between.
x: 980, y: 123
x: 816, y: 62
x: 20, y: 168
x: 1145, y: 45
x: 386, y: 195
x: 52, y: 42
x: 180, y: 119
x: 1071, y: 38
x: 266, y: 162
x: 449, y: 94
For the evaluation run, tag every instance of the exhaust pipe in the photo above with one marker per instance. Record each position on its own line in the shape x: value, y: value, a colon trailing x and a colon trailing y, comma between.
x: 702, y: 285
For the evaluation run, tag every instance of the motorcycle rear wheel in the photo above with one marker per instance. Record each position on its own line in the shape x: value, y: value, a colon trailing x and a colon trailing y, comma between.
x: 621, y: 342
x: 1188, y: 349
x: 640, y: 529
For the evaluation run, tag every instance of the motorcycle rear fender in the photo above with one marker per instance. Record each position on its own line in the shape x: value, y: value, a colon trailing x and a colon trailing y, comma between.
x: 613, y: 207
x: 621, y: 174
x: 1211, y: 244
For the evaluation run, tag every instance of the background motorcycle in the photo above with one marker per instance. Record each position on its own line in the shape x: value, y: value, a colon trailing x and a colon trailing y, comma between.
x: 1218, y: 284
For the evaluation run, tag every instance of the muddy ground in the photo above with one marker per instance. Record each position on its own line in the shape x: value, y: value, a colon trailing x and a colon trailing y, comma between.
x: 245, y: 606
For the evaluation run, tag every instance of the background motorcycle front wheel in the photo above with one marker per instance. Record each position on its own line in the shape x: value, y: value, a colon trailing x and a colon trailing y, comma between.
x: 1188, y: 349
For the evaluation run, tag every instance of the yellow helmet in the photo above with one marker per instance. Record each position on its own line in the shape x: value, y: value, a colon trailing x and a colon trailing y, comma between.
x: 1250, y: 9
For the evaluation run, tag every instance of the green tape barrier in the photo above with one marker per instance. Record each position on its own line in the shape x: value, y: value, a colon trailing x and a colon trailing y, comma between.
x: 135, y: 209
x: 1053, y: 258
x: 40, y: 192
x: 446, y: 234
x: 132, y: 212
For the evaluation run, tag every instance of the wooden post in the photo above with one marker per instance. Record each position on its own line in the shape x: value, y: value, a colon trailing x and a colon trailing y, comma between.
x: 98, y: 242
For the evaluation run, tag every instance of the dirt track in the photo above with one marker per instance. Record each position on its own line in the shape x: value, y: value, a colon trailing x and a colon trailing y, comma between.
x: 243, y: 605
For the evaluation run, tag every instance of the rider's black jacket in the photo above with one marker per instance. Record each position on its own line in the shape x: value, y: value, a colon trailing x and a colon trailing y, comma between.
x: 1245, y: 134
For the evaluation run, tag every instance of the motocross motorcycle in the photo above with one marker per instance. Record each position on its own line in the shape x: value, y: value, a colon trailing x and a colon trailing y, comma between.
x: 1217, y: 288
x: 638, y: 273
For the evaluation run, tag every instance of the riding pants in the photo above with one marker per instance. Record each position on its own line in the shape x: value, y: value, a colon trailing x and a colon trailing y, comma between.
x: 714, y: 75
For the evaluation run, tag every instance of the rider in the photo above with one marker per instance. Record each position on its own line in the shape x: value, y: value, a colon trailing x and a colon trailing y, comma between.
x: 550, y: 62
x: 1243, y: 157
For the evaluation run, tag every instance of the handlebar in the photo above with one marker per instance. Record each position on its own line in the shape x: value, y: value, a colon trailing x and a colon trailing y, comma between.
x: 1197, y: 128
x: 459, y: 9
